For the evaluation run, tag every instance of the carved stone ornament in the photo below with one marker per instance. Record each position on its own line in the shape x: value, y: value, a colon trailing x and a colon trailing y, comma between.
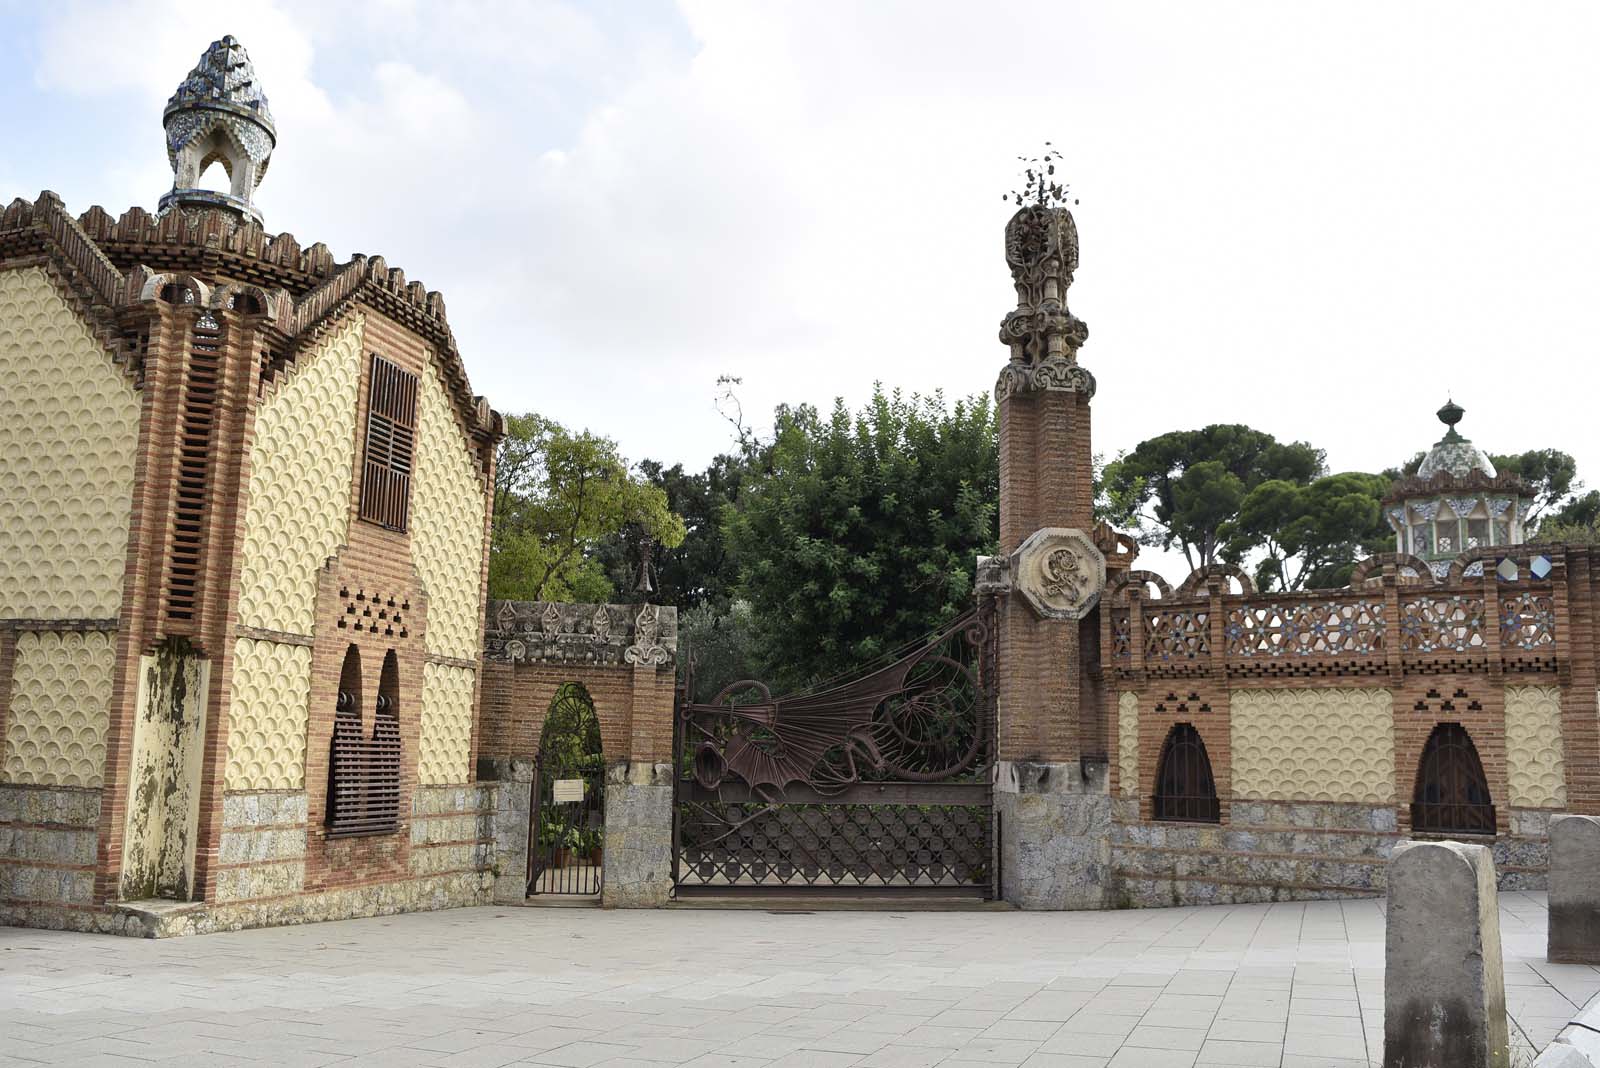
x: 1060, y: 571
x: 647, y: 647
x: 994, y: 576
x: 1057, y: 374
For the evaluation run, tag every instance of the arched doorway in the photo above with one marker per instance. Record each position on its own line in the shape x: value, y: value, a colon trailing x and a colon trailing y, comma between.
x: 1452, y: 793
x: 566, y: 826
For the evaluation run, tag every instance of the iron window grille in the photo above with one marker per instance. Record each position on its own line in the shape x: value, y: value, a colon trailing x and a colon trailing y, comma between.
x: 1452, y: 792
x: 1185, y: 788
x: 391, y: 441
x: 364, y: 773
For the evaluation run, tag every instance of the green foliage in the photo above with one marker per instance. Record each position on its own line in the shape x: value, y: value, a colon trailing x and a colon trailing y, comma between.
x: 721, y: 642
x: 569, y: 743
x: 1551, y: 476
x: 700, y: 569
x: 1181, y: 487
x: 1578, y: 521
x: 860, y: 532
x: 1309, y: 535
x: 558, y: 497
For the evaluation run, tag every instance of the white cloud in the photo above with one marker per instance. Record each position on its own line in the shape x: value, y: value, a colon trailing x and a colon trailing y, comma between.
x: 1316, y: 219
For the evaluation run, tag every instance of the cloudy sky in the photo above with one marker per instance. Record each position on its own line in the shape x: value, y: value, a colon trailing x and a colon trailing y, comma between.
x: 1315, y: 219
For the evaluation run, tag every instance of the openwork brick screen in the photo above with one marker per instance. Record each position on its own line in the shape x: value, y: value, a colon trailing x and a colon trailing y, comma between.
x: 1386, y: 619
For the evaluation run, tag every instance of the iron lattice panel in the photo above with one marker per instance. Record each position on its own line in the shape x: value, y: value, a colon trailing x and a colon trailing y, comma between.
x: 752, y: 844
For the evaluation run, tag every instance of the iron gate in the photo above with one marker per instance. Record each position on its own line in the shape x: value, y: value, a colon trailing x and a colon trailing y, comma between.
x: 880, y: 781
x: 566, y: 809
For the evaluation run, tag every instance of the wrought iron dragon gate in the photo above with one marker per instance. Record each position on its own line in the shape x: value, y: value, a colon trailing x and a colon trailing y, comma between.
x: 878, y: 781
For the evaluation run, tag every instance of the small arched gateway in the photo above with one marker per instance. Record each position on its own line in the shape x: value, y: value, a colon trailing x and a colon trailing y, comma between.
x: 566, y: 829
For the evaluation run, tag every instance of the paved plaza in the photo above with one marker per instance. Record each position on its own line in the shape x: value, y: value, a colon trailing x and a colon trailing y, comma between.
x: 1293, y: 985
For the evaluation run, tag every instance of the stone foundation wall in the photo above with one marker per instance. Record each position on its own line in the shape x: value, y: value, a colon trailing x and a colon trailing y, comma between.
x: 48, y: 844
x: 262, y: 852
x: 638, y: 849
x: 1286, y: 851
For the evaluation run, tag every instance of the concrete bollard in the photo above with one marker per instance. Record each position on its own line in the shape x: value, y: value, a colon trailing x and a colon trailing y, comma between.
x: 1574, y: 932
x: 1444, y: 990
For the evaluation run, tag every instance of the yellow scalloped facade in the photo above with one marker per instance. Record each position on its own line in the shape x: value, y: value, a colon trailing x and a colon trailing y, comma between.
x: 268, y: 715
x: 1282, y: 752
x: 445, y: 745
x: 300, y: 463
x: 60, y: 700
x: 69, y: 432
x: 1535, y: 769
x: 447, y: 503
x: 1128, y: 744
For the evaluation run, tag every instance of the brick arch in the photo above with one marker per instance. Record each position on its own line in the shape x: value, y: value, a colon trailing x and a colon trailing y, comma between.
x: 1451, y: 793
x: 1470, y: 701
x: 1185, y: 787
x: 1196, y: 581
x: 1372, y: 567
x: 1163, y: 705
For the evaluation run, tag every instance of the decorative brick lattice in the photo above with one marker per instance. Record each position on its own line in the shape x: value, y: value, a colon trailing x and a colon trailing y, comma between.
x: 1128, y: 744
x: 299, y: 508
x: 1433, y: 624
x: 447, y: 524
x: 268, y: 715
x: 69, y: 431
x: 1176, y: 634
x: 445, y: 743
x: 727, y: 844
x: 1307, y: 628
x: 1121, y: 635
x: 60, y: 695
x: 1324, y: 744
x: 1527, y: 621
x: 1535, y: 768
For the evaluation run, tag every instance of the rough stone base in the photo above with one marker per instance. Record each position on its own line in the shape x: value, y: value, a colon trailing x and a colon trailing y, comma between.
x: 638, y: 850
x: 1055, y: 835
x: 511, y: 816
x: 169, y: 919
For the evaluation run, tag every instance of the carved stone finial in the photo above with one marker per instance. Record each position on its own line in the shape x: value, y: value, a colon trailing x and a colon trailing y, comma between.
x: 219, y: 115
x: 1042, y: 251
x: 647, y: 648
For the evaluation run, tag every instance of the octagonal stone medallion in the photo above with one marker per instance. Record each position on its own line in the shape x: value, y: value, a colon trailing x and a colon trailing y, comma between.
x: 1060, y: 571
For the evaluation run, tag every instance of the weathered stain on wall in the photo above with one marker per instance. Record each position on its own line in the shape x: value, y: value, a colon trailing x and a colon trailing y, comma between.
x: 163, y: 807
x: 447, y: 516
x: 445, y: 745
x: 300, y: 464
x: 1314, y: 744
x: 69, y: 432
x: 267, y: 716
x: 1535, y: 769
x: 1128, y: 743
x: 60, y: 695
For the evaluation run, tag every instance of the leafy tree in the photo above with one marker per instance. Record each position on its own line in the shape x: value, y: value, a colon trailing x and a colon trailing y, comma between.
x: 1551, y: 475
x: 860, y: 532
x: 720, y: 641
x: 1578, y: 521
x: 558, y: 496
x: 700, y: 569
x: 1182, y: 486
x: 1309, y: 535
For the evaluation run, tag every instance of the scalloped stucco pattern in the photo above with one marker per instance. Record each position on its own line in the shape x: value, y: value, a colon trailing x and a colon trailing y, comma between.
x: 1128, y: 744
x: 445, y: 742
x: 267, y: 716
x: 1322, y: 744
x: 69, y: 432
x: 1535, y: 769
x: 60, y: 700
x: 300, y: 462
x: 446, y: 524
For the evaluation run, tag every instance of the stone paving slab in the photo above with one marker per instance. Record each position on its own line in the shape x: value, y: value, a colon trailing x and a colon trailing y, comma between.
x: 1286, y: 985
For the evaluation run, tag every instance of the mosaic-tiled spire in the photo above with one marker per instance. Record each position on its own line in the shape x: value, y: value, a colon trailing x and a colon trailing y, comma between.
x: 218, y: 115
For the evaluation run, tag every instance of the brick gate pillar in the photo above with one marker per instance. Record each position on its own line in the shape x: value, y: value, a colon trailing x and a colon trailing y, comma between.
x: 1055, y: 810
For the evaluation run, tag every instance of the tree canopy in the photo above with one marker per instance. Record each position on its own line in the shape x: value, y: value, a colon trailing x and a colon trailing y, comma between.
x: 1309, y: 535
x: 1183, y: 486
x: 557, y: 496
x: 860, y: 532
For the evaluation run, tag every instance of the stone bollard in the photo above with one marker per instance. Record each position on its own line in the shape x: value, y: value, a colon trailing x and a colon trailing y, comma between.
x: 1574, y: 931
x: 1444, y: 990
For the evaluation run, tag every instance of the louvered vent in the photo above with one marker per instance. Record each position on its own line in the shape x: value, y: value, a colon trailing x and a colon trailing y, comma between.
x: 391, y: 438
x: 364, y: 773
x: 194, y: 455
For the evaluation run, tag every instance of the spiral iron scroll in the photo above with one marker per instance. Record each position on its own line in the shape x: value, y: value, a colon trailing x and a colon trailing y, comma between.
x: 923, y: 718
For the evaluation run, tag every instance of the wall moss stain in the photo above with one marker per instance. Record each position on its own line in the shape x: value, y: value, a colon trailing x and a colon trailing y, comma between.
x: 164, y: 795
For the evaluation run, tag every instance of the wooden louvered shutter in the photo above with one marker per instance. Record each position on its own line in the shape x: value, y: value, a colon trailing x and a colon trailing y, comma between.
x: 391, y: 440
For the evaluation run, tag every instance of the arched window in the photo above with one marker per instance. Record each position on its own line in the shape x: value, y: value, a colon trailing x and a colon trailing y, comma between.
x: 363, y: 772
x: 1185, y: 789
x: 1452, y: 793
